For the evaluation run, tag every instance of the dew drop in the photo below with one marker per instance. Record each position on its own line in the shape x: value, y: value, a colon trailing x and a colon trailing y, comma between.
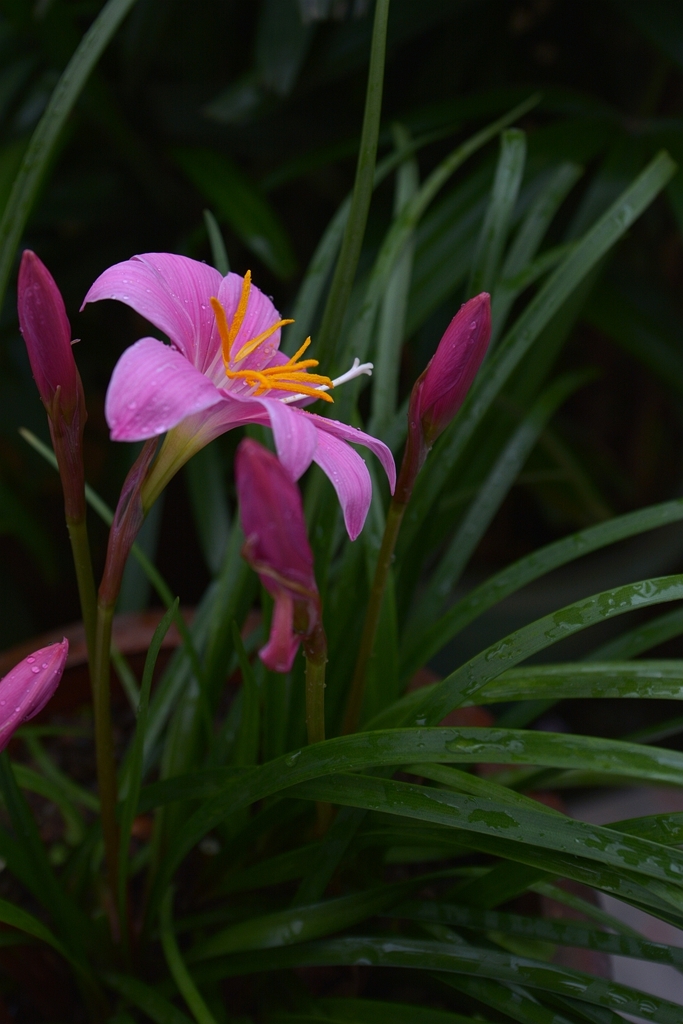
x: 17, y: 710
x: 3, y: 702
x: 44, y: 664
x: 35, y: 670
x: 30, y: 660
x: 292, y: 759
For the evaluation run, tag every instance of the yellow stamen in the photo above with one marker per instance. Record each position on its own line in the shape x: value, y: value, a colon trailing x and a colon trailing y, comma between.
x: 223, y: 329
x: 291, y: 376
x: 254, y: 343
x: 241, y: 310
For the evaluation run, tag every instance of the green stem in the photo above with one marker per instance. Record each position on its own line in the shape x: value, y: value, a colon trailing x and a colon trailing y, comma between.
x: 315, y: 699
x: 80, y: 549
x: 176, y: 966
x: 345, y: 271
x: 104, y: 742
x: 384, y: 560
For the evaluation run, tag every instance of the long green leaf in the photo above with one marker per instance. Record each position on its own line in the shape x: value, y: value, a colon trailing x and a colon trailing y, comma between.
x: 532, y: 567
x: 497, y: 219
x: 497, y: 370
x: 407, y: 953
x: 147, y: 999
x: 46, y: 135
x: 367, y: 1011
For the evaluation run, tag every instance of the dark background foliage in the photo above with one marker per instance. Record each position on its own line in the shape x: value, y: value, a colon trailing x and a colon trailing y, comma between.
x: 240, y: 108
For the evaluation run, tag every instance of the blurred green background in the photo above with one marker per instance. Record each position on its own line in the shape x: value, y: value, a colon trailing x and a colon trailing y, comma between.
x: 252, y: 109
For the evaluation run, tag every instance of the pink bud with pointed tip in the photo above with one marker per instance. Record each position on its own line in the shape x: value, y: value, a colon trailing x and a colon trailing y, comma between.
x: 276, y: 546
x: 442, y: 386
x: 27, y: 688
x: 47, y: 333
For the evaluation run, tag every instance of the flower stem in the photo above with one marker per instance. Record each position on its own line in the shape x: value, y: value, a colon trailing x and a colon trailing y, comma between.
x: 316, y: 659
x: 80, y: 549
x: 104, y: 741
x: 384, y: 560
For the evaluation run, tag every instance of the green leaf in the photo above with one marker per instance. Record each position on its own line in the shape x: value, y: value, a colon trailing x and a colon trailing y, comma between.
x: 218, y: 253
x: 555, y: 930
x: 485, y: 505
x: 176, y: 966
x: 147, y: 999
x: 532, y: 567
x: 392, y: 321
x: 205, y: 478
x: 367, y: 1011
x: 247, y: 741
x: 406, y: 953
x: 501, y: 206
x: 134, y: 776
x: 515, y: 824
x: 432, y: 706
x: 545, y: 304
x: 242, y: 205
x: 46, y: 136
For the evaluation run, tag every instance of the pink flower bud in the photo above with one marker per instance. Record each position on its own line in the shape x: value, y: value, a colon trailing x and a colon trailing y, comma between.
x: 45, y: 327
x: 441, y: 388
x: 47, y: 333
x: 451, y: 370
x: 27, y: 688
x: 276, y: 546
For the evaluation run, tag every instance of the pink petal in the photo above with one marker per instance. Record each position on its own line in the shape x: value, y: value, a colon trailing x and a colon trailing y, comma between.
x: 347, y: 433
x: 172, y: 292
x: 349, y: 477
x: 296, y: 438
x: 27, y: 688
x: 154, y: 387
x: 278, y: 653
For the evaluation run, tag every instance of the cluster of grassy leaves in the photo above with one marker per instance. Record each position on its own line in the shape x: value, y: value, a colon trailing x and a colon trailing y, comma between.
x: 425, y: 855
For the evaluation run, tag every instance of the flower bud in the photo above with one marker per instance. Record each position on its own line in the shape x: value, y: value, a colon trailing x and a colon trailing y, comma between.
x: 276, y: 546
x: 27, y: 688
x: 45, y: 327
x: 47, y: 333
x: 441, y: 388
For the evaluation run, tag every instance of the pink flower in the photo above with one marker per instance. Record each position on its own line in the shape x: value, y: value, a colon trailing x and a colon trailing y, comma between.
x: 441, y: 388
x: 27, y: 688
x: 276, y: 546
x: 222, y: 370
x: 45, y: 327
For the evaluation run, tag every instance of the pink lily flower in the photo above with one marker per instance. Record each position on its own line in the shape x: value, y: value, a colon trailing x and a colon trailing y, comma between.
x: 277, y: 548
x: 223, y: 370
x: 27, y: 688
x: 442, y: 386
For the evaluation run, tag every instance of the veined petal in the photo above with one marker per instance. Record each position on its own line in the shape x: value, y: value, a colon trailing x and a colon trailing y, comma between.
x: 349, y: 477
x: 170, y: 291
x: 295, y: 435
x: 347, y: 433
x: 154, y: 387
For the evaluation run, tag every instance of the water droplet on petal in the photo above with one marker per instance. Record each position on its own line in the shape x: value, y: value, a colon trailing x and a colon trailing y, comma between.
x: 35, y: 670
x: 30, y: 660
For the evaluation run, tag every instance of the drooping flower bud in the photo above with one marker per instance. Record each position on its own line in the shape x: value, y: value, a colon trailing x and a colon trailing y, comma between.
x: 47, y: 333
x: 27, y: 688
x: 276, y: 546
x: 442, y: 386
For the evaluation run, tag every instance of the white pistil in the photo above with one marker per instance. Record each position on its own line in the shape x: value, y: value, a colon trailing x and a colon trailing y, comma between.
x: 357, y: 370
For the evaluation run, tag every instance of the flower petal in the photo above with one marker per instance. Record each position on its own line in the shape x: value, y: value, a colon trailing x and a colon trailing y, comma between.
x: 170, y: 291
x: 350, y: 478
x: 154, y: 387
x: 259, y: 316
x: 347, y: 433
x: 295, y: 435
x: 278, y: 654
